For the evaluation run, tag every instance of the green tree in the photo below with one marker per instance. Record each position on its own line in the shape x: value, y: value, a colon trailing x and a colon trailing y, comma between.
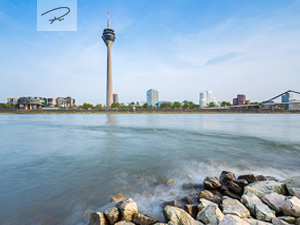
x: 224, y: 103
x: 212, y: 105
x: 146, y: 106
x: 98, y: 106
x: 176, y: 105
x: 186, y: 105
x: 87, y: 106
x: 166, y: 105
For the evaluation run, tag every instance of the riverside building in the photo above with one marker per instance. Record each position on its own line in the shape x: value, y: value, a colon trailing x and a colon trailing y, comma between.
x: 152, y: 97
x: 206, y: 98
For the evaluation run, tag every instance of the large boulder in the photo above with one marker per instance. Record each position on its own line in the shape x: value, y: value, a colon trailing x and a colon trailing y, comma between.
x: 178, y: 216
x: 234, y: 207
x: 212, y: 183
x: 250, y: 178
x: 172, y: 203
x: 204, y: 203
x: 191, y: 185
x: 232, y: 195
x: 232, y: 220
x: 293, y: 186
x: 291, y: 206
x: 117, y: 198
x: 297, y: 221
x: 241, y: 182
x: 97, y: 218
x: 124, y: 222
x: 226, y: 177
x: 266, y: 187
x: 288, y: 219
x: 127, y: 208
x: 252, y: 221
x: 277, y: 221
x: 140, y: 219
x: 257, y: 207
x: 112, y: 215
x: 210, y: 196
x: 235, y: 188
x: 274, y: 201
x: 192, y: 209
x: 211, y: 215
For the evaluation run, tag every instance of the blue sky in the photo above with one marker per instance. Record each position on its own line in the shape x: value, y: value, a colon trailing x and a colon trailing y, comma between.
x: 180, y: 48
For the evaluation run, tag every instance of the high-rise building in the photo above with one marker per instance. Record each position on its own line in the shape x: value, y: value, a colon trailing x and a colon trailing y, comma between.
x: 152, y: 97
x: 109, y: 37
x: 206, y: 98
x: 240, y: 100
x: 288, y: 97
x: 115, y: 98
x: 202, y: 101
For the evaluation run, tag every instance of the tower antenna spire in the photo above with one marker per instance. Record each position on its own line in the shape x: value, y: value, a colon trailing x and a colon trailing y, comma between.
x: 108, y: 22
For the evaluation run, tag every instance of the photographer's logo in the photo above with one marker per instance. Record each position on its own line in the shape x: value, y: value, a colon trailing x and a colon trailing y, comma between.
x: 57, y: 15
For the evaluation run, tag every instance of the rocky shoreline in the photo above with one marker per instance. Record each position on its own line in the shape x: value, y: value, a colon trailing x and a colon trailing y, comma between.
x: 227, y: 200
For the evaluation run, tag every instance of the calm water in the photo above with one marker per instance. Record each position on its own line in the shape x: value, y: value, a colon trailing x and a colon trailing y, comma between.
x: 54, y: 169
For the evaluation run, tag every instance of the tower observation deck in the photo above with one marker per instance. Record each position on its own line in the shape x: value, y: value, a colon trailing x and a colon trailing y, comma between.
x: 109, y: 37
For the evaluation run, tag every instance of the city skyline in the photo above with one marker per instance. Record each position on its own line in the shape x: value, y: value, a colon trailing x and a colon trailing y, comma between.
x: 249, y: 47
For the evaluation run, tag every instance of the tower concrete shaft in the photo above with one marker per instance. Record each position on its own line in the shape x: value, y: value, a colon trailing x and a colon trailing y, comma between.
x: 109, y: 38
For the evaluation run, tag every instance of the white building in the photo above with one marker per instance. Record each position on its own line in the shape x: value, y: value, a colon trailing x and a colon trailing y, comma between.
x: 206, y: 98
x: 152, y: 97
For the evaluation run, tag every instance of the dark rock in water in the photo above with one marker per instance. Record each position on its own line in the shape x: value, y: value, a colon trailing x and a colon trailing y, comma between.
x: 232, y: 195
x: 212, y: 183
x: 272, y: 178
x: 172, y: 203
x: 117, y: 198
x: 226, y: 177
x: 97, y: 218
x: 210, y: 196
x: 171, y: 182
x: 191, y: 185
x: 191, y: 191
x: 235, y: 188
x: 186, y: 200
x: 223, y: 189
x: 250, y: 178
x: 192, y: 209
x: 261, y: 178
x: 140, y: 219
x: 112, y: 215
x: 241, y: 182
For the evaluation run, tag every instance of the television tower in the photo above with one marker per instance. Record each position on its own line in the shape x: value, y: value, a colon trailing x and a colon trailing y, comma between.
x: 109, y: 38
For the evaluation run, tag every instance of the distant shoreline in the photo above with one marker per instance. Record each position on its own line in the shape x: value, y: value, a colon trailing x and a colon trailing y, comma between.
x: 155, y: 111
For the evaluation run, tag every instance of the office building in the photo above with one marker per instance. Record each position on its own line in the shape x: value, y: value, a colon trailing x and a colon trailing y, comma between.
x: 206, y: 98
x: 152, y: 97
x: 115, y: 98
x: 240, y: 100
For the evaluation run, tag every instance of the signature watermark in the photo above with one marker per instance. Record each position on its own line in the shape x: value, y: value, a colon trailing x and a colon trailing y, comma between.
x: 63, y: 11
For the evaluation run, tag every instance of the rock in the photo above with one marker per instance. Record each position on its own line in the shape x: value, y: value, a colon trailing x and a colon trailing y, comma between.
x: 234, y: 207
x: 210, y: 196
x: 256, y: 222
x: 191, y: 191
x: 226, y: 177
x: 232, y: 195
x: 288, y: 219
x: 160, y: 224
x: 117, y: 198
x: 124, y: 222
x: 232, y: 220
x: 178, y: 216
x: 257, y: 207
x: 293, y: 186
x: 210, y: 215
x: 192, y: 209
x: 272, y: 178
x: 241, y: 182
x: 291, y: 207
x: 204, y: 203
x: 223, y: 189
x: 191, y: 185
x: 212, y: 183
x: 297, y: 221
x: 112, y: 215
x: 172, y: 203
x: 186, y: 200
x: 97, y: 218
x: 261, y: 178
x: 250, y: 178
x: 127, y: 208
x: 266, y: 187
x: 174, y: 193
x: 274, y: 201
x: 235, y: 188
x: 140, y: 219
x: 171, y: 182
x: 277, y: 221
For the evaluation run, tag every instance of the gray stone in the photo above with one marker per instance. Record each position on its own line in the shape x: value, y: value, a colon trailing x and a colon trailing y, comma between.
x: 274, y: 201
x: 127, y: 208
x: 288, y: 219
x: 211, y: 215
x: 210, y: 196
x: 117, y: 198
x: 252, y: 221
x: 204, y: 203
x: 250, y: 178
x: 212, y: 183
x: 257, y: 207
x: 293, y: 186
x: 178, y: 216
x: 277, y: 221
x: 291, y: 206
x: 297, y: 221
x: 266, y: 187
x: 112, y: 215
x: 226, y: 177
x: 192, y: 209
x: 140, y: 219
x: 234, y: 207
x: 97, y: 218
x: 232, y: 220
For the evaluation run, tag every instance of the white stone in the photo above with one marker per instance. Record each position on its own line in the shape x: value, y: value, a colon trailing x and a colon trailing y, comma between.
x: 178, y: 216
x: 291, y: 207
x: 232, y: 220
x: 274, y: 201
x: 211, y: 215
